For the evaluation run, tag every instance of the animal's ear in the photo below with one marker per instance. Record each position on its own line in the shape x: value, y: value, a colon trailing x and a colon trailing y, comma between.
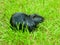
x: 36, y: 16
x: 33, y: 15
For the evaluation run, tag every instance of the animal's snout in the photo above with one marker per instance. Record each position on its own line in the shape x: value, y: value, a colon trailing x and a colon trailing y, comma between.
x: 41, y: 19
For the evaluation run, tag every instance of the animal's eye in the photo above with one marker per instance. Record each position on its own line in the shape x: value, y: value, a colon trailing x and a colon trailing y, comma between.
x: 34, y: 16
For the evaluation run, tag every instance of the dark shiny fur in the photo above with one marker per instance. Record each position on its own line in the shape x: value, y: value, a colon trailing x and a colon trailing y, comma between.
x: 31, y: 21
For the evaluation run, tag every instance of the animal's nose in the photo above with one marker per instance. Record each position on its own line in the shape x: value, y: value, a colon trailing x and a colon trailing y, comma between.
x: 41, y: 19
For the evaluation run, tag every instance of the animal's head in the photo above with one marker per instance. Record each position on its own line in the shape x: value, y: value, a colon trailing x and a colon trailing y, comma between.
x: 36, y: 18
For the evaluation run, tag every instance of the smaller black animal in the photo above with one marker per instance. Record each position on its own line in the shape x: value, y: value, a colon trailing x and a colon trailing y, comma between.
x: 30, y: 21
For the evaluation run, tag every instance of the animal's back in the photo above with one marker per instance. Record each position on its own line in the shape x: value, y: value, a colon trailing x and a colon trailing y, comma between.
x: 17, y: 18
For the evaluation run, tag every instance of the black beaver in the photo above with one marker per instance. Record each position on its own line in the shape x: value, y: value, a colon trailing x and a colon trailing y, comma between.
x: 31, y: 21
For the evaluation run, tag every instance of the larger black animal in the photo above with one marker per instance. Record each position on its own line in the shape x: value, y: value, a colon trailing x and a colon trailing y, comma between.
x: 20, y: 19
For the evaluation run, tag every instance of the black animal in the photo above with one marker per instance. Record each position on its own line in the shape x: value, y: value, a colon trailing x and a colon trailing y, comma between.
x: 31, y: 21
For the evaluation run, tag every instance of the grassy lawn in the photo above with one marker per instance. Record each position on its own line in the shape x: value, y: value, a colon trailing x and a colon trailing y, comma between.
x: 47, y: 33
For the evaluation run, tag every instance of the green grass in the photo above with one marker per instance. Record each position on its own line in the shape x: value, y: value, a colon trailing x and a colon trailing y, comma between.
x: 47, y: 33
